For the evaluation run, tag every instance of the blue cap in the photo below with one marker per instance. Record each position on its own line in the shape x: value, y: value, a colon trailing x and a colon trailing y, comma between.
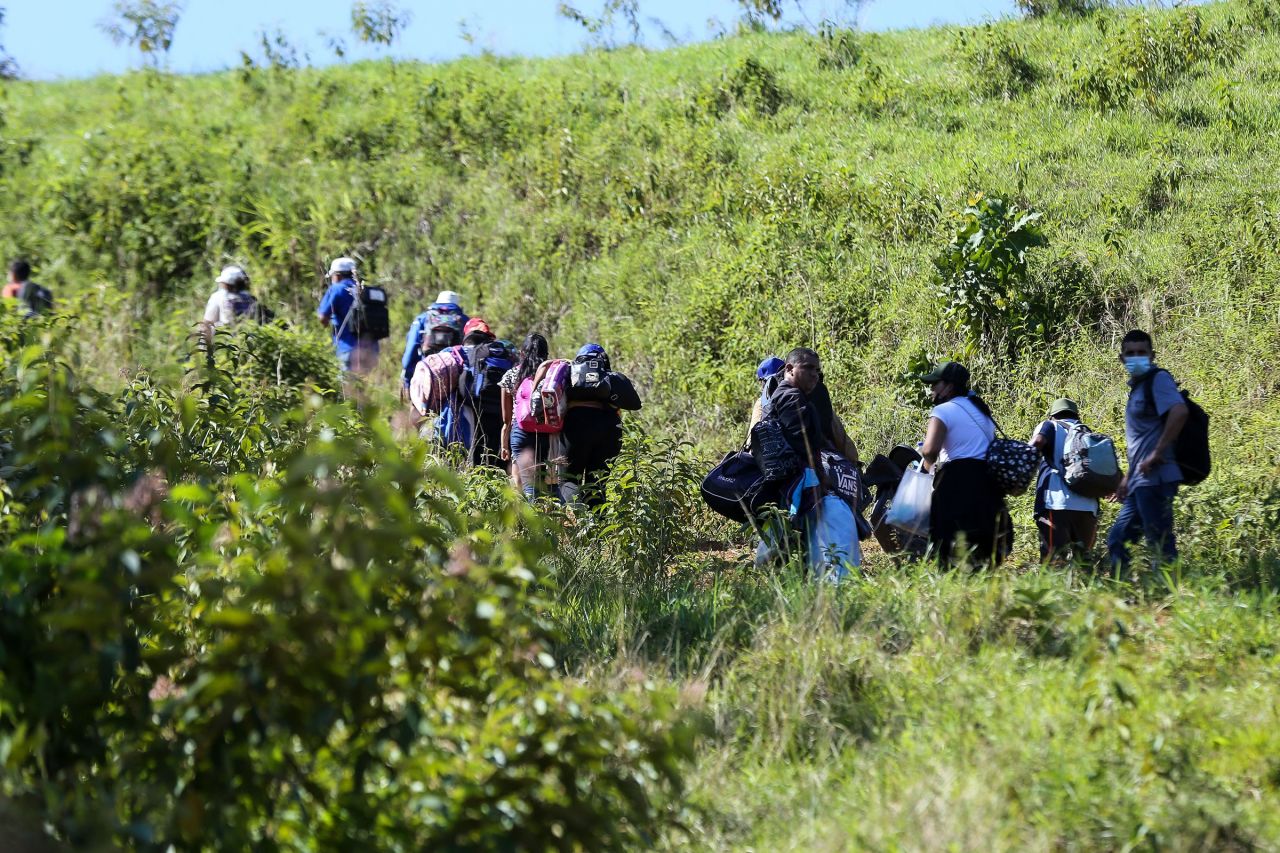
x: 590, y: 349
x: 769, y: 367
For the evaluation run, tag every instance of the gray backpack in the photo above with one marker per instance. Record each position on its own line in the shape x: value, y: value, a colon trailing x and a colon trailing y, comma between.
x: 1090, y: 464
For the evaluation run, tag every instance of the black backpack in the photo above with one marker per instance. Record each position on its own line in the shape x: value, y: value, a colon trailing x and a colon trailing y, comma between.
x: 589, y: 379
x: 488, y: 363
x: 771, y: 450
x: 1191, y: 450
x: 372, y: 319
x: 37, y: 297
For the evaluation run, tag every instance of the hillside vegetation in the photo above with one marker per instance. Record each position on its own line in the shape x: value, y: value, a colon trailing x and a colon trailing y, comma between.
x: 241, y: 612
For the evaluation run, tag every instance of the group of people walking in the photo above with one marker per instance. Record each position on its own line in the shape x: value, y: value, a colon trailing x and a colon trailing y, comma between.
x: 971, y: 466
x: 555, y: 425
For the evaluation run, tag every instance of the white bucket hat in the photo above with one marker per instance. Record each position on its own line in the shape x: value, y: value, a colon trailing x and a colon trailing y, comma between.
x: 448, y: 297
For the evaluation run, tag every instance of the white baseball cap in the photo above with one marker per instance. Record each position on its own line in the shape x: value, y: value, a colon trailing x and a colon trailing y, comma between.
x: 342, y: 265
x: 232, y: 275
x: 448, y: 297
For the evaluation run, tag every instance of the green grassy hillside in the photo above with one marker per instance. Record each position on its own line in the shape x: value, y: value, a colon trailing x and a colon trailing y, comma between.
x: 693, y: 210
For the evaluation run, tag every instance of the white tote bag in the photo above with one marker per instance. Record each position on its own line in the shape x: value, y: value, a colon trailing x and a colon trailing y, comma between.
x: 910, y: 508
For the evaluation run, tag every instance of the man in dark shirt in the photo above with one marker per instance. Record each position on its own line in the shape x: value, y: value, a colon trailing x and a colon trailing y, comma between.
x: 791, y: 407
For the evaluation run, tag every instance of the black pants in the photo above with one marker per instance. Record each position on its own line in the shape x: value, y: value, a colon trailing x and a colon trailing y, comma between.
x: 486, y: 444
x: 1066, y: 533
x: 593, y: 439
x: 967, y: 504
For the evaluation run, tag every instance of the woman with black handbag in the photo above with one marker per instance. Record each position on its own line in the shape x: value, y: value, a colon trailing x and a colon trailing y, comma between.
x: 968, y: 503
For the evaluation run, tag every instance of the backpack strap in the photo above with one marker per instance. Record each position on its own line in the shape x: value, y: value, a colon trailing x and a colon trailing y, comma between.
x: 1148, y: 386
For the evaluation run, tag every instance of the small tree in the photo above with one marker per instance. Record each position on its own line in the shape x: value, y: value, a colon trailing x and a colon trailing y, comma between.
x: 981, y: 275
x: 147, y: 25
x: 380, y: 22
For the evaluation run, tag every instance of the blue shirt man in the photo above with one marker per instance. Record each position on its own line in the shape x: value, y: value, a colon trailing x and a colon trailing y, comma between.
x: 1153, y: 419
x: 356, y: 354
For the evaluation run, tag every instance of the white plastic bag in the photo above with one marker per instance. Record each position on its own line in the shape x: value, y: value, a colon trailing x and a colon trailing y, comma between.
x: 831, y: 539
x: 910, y: 508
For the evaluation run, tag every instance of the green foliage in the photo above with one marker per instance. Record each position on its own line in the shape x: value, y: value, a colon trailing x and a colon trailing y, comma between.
x: 224, y: 628
x: 982, y: 273
x: 750, y: 85
x: 1260, y: 14
x: 146, y: 25
x: 379, y: 22
x: 652, y: 496
x: 998, y: 64
x: 1069, y: 8
x: 838, y: 48
x: 140, y: 209
x: 1145, y: 53
x: 273, y: 353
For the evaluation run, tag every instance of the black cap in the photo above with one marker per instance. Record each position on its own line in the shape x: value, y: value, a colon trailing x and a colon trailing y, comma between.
x: 948, y: 371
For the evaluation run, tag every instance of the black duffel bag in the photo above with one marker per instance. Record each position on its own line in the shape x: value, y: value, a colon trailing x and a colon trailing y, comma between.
x: 736, y: 489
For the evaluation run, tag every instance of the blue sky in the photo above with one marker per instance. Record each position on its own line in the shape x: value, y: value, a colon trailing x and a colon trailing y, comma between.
x: 61, y: 38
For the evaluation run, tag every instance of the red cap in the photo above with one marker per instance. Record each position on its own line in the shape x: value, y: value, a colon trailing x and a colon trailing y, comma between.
x: 476, y: 325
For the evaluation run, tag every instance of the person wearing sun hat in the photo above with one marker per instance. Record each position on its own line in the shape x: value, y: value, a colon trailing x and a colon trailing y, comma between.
x: 442, y: 325
x: 966, y: 503
x: 1067, y: 522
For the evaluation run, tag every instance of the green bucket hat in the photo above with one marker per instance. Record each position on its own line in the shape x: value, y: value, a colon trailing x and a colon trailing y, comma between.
x: 1064, y: 407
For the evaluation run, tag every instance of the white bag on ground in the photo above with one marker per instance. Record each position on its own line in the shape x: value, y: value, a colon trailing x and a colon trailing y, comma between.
x: 831, y: 539
x: 910, y: 508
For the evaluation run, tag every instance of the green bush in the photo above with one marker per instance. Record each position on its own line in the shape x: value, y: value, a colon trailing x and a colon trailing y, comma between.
x: 838, y: 48
x: 1145, y: 53
x: 322, y: 652
x: 997, y: 64
x: 275, y: 354
x: 1076, y: 8
x: 750, y: 85
x: 982, y: 273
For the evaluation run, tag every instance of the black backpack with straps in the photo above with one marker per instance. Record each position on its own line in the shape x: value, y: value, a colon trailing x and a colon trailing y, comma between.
x: 1191, y: 449
x: 372, y: 317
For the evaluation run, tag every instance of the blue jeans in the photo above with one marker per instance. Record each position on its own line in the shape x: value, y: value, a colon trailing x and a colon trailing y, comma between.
x: 1147, y: 512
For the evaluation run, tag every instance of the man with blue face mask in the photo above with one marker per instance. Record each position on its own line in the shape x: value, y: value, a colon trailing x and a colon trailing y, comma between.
x: 1153, y: 418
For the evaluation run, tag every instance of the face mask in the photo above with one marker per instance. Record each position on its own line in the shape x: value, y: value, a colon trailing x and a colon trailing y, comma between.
x: 1137, y: 365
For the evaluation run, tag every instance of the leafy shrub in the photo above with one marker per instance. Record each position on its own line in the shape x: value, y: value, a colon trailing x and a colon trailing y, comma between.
x: 652, y: 500
x: 838, y: 48
x: 1262, y: 15
x: 1045, y: 8
x: 327, y: 653
x: 998, y: 64
x: 749, y: 84
x: 982, y: 273
x: 1146, y: 53
x: 275, y: 354
x: 137, y: 207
